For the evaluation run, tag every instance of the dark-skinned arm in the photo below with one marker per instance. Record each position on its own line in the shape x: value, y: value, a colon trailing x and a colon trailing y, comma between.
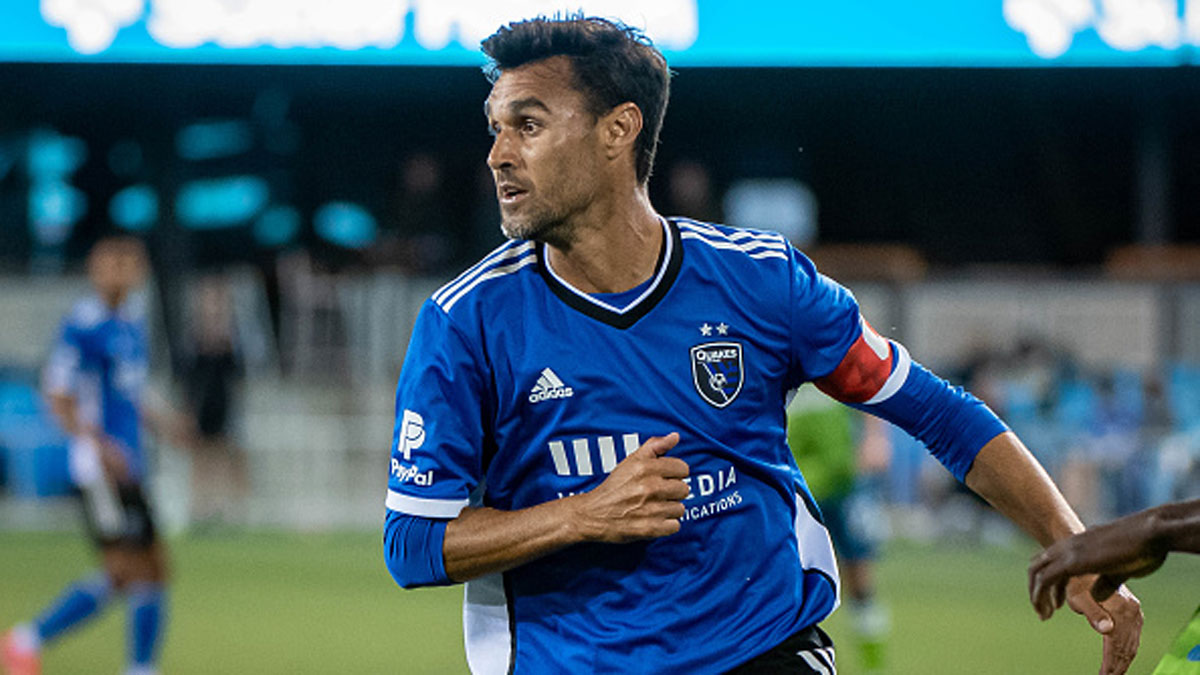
x: 1133, y: 546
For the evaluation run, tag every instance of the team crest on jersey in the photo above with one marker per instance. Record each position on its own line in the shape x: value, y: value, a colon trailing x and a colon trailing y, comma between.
x: 717, y: 371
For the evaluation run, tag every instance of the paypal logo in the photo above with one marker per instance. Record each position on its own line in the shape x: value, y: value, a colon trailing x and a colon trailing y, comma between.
x: 412, y: 433
x: 404, y: 473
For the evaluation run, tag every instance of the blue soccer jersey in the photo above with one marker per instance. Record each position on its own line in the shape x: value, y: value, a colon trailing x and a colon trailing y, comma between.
x: 519, y: 389
x: 101, y: 360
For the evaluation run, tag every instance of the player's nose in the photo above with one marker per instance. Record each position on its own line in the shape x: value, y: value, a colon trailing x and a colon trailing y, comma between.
x: 503, y: 154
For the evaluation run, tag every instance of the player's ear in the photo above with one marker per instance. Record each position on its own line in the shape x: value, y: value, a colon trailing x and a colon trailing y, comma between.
x: 620, y: 128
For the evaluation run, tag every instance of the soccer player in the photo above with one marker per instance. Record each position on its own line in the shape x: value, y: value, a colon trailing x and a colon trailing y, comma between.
x: 1133, y: 546
x: 590, y: 421
x: 94, y: 380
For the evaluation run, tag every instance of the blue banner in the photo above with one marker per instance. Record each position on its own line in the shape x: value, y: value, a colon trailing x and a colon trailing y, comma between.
x: 952, y: 33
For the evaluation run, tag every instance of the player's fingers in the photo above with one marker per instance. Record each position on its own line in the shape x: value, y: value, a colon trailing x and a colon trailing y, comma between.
x: 669, y: 527
x: 671, y: 510
x: 1079, y: 597
x: 674, y: 490
x: 1054, y: 594
x: 1121, y: 645
x: 660, y: 526
x: 1042, y: 593
x: 1118, y: 654
x: 1036, y: 591
x: 672, y: 467
x: 1060, y: 593
x: 1038, y: 579
x: 657, y: 445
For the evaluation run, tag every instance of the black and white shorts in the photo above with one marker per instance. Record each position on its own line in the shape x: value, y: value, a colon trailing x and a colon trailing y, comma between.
x: 808, y: 652
x: 117, y: 515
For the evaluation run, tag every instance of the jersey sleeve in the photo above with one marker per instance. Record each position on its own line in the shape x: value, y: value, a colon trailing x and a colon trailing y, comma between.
x: 824, y: 321
x: 437, y: 439
x: 412, y: 550
x: 839, y: 351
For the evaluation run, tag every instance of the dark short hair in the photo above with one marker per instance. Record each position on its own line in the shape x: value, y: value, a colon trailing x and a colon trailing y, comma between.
x: 611, y: 63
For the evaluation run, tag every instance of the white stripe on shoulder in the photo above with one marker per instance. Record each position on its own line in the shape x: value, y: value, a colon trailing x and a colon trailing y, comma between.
x: 734, y: 234
x: 528, y: 257
x: 747, y: 241
x: 757, y: 235
x: 499, y: 256
x: 427, y: 508
x: 768, y: 250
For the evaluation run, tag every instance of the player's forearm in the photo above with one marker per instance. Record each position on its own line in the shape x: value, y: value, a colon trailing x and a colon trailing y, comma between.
x: 485, y: 541
x: 1178, y: 526
x: 1007, y: 475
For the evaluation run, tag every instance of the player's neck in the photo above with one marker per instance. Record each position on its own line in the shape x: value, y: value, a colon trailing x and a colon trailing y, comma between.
x: 113, y: 299
x: 614, y: 253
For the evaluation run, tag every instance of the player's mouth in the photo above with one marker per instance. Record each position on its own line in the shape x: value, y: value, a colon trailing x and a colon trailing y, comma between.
x: 510, y: 194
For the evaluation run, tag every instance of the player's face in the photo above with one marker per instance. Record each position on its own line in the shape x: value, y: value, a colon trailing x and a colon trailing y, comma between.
x: 116, y: 267
x: 546, y: 151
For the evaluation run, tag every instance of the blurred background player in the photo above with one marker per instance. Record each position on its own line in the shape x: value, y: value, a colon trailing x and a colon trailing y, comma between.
x: 94, y: 381
x: 1133, y: 546
x: 844, y: 456
x: 219, y: 477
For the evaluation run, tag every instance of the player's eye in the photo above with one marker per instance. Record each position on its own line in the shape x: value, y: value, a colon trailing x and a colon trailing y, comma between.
x: 493, y: 129
x: 529, y: 126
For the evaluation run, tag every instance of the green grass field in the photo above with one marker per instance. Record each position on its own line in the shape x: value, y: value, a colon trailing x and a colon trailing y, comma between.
x: 279, y: 603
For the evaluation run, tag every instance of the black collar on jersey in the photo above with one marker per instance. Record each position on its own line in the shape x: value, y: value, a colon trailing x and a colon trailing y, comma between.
x: 631, y: 314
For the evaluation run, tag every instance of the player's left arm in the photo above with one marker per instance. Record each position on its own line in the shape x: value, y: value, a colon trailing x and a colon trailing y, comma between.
x: 1010, y: 479
x: 968, y: 438
x: 837, y: 349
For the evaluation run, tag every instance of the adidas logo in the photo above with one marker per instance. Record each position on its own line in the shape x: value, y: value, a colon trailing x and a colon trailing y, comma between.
x: 549, y: 386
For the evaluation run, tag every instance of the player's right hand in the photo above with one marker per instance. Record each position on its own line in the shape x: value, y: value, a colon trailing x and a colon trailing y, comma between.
x: 1118, y: 619
x: 641, y: 499
x: 1117, y: 551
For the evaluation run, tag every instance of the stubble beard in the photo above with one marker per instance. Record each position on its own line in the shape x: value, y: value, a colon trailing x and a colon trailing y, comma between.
x: 541, y: 226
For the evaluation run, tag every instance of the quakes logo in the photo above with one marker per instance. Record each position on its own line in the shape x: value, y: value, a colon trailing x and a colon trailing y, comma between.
x: 717, y: 372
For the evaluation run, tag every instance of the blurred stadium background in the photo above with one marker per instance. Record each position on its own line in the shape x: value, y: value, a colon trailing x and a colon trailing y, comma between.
x: 1010, y: 187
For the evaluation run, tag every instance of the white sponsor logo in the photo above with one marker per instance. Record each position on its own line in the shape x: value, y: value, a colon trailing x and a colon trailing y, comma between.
x: 405, y: 473
x: 579, y: 461
x: 711, y: 508
x: 549, y: 386
x: 718, y: 486
x: 705, y: 484
x: 92, y: 25
x: 1050, y: 26
x: 412, y: 433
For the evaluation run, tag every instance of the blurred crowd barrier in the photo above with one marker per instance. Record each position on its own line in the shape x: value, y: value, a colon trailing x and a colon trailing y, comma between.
x: 1101, y: 378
